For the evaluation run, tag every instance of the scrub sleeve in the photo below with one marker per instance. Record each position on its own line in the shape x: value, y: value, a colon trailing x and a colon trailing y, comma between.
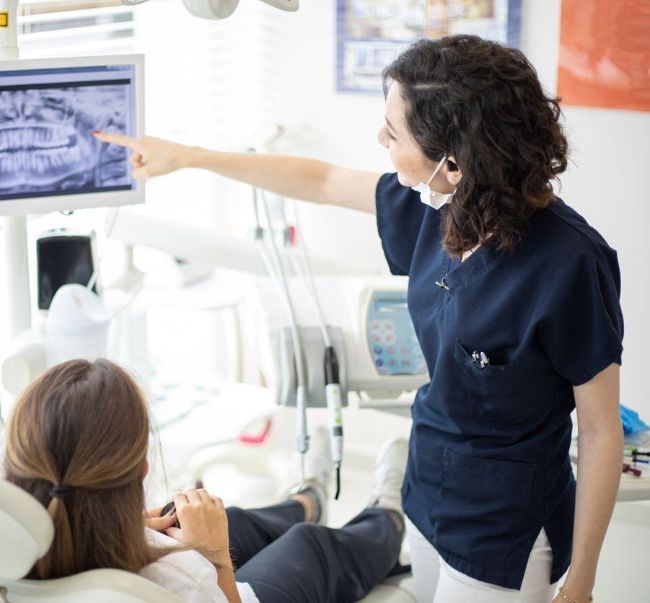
x: 581, y: 326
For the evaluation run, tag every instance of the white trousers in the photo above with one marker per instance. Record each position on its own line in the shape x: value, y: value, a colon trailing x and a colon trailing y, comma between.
x: 437, y: 582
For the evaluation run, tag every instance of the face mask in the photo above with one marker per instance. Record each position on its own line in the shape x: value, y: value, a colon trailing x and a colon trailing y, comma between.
x: 429, y: 197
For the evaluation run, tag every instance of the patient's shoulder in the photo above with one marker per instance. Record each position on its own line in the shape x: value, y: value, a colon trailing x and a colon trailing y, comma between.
x: 187, y: 574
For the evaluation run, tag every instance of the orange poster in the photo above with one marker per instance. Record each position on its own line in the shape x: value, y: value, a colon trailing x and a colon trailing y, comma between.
x: 605, y: 54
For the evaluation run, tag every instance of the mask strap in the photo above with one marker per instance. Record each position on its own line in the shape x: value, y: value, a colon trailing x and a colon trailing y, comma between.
x: 440, y: 164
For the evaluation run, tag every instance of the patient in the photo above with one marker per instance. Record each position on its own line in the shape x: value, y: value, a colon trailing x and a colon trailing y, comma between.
x: 77, y: 441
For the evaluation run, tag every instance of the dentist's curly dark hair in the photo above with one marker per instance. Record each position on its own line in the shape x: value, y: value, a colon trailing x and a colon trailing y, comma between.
x: 482, y: 103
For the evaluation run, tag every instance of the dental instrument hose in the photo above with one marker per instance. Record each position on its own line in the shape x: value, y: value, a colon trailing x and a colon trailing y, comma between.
x: 276, y: 271
x: 333, y: 396
x: 334, y: 406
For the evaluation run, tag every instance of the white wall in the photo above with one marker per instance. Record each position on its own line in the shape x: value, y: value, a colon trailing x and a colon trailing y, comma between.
x: 607, y: 180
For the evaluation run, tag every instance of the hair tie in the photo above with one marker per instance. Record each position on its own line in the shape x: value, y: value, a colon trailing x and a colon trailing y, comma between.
x: 60, y: 491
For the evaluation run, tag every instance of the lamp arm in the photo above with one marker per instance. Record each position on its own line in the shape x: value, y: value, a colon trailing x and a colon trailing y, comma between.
x: 220, y: 9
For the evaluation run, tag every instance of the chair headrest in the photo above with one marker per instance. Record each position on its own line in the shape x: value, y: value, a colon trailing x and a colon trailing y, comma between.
x: 98, y: 586
x: 26, y: 530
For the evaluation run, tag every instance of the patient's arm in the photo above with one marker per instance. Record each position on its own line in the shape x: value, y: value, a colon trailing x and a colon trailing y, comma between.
x: 227, y: 583
x: 204, y: 526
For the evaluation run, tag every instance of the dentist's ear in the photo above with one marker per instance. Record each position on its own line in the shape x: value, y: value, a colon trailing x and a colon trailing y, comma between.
x: 453, y: 175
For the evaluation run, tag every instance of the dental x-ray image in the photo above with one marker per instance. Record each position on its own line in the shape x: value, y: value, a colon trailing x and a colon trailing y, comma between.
x: 46, y: 142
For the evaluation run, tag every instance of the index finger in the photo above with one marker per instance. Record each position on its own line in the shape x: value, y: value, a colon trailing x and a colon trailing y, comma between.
x: 203, y: 494
x: 119, y: 139
x: 180, y: 500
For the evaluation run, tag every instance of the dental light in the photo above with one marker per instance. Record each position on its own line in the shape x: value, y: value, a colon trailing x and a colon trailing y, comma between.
x: 220, y: 9
x: 206, y: 9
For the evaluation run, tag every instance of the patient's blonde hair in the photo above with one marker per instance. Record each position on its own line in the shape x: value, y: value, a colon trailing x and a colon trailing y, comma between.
x: 84, y: 426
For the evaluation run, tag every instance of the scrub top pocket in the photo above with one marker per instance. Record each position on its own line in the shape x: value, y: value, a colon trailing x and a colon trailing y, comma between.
x: 500, y: 489
x: 492, y: 393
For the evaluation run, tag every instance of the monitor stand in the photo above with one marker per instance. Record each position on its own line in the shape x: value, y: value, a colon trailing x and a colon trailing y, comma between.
x: 17, y: 275
x: 16, y: 266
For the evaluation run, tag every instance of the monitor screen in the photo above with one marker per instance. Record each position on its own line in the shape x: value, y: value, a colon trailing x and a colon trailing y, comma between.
x: 49, y: 158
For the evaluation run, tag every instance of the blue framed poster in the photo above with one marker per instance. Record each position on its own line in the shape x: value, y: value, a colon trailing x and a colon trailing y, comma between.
x: 371, y: 33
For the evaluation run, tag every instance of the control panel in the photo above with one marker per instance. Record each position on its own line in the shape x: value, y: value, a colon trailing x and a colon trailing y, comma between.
x: 391, y: 339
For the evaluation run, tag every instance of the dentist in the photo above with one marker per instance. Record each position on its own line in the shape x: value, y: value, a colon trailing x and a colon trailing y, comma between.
x: 515, y: 302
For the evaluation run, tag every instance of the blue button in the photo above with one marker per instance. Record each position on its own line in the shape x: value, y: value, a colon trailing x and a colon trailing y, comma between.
x: 377, y: 349
x: 379, y: 362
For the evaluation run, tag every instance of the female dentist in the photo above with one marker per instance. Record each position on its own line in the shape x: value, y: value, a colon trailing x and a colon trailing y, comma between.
x: 515, y: 302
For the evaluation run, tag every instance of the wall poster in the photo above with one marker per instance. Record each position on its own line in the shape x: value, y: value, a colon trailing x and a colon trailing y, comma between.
x: 605, y: 54
x: 371, y: 33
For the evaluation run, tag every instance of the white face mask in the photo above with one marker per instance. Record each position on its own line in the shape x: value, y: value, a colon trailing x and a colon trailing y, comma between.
x: 430, y: 197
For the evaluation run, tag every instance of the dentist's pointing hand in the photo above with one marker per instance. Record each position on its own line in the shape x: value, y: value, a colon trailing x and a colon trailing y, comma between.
x: 150, y: 156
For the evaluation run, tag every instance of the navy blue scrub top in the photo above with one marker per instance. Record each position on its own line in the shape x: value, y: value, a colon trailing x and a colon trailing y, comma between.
x: 488, y: 461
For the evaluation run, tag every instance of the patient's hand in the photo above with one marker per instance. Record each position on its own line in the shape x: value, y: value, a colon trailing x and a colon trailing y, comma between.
x: 153, y: 520
x: 204, y: 525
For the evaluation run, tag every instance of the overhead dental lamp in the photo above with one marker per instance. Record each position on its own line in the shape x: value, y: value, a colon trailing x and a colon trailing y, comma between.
x: 206, y: 9
x: 220, y: 9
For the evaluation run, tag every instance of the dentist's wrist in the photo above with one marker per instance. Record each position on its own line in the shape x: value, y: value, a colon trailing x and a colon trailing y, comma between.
x: 572, y: 597
x: 200, y: 157
x: 190, y: 157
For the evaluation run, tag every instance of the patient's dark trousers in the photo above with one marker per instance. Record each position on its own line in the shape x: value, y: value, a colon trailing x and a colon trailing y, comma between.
x: 288, y: 561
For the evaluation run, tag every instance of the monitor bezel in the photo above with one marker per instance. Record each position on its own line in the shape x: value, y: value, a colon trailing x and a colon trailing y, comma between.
x: 42, y: 205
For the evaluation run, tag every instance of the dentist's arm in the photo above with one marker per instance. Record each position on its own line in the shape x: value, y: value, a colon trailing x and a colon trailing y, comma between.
x: 296, y: 177
x: 600, y: 458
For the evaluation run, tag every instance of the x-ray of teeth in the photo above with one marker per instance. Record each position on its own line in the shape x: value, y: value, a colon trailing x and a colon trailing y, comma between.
x: 46, y: 141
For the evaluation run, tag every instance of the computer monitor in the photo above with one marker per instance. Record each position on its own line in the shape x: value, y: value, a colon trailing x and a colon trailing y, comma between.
x: 49, y: 159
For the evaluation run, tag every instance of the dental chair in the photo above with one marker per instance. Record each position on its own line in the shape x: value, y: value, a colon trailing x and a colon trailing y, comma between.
x: 26, y: 533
